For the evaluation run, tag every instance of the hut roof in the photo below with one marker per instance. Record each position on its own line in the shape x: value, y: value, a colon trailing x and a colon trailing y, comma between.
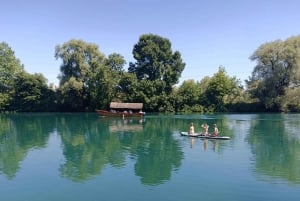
x: 135, y: 106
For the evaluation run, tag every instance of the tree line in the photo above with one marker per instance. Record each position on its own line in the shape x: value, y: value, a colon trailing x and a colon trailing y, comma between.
x: 89, y: 80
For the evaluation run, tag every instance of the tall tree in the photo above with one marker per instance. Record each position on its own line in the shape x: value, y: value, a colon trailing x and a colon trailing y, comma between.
x: 158, y: 69
x: 115, y: 63
x: 219, y: 86
x: 292, y: 59
x: 277, y: 68
x: 77, y: 57
x: 81, y: 62
x: 10, y: 67
x: 155, y: 60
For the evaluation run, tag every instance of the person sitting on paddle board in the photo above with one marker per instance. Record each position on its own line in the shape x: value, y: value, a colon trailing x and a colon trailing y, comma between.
x: 205, y: 128
x: 192, y: 129
x: 216, y: 131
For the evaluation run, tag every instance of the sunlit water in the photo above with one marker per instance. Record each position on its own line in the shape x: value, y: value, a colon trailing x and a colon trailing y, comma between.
x: 87, y: 157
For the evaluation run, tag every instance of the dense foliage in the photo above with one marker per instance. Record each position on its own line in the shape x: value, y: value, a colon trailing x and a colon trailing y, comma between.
x: 157, y: 69
x: 275, y: 78
x: 10, y: 67
x: 89, y: 80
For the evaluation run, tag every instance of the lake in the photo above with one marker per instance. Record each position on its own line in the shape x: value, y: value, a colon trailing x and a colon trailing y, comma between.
x: 72, y: 157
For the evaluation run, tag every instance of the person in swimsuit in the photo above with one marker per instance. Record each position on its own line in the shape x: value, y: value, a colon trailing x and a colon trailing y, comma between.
x: 205, y: 128
x: 192, y: 129
x: 216, y: 131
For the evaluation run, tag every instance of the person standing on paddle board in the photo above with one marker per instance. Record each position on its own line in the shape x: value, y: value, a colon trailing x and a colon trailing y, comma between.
x: 192, y: 129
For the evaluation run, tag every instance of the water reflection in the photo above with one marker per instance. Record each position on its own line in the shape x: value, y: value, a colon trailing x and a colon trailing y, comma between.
x: 274, y: 141
x: 125, y: 125
x: 157, y: 153
x: 90, y: 143
x: 88, y: 147
x: 19, y: 134
x: 206, y: 144
x: 192, y: 142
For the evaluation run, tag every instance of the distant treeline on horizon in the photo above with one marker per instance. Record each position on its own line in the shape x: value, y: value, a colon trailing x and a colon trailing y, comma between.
x: 88, y: 80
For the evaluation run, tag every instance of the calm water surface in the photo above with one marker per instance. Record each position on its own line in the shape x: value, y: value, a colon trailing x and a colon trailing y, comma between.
x: 87, y: 157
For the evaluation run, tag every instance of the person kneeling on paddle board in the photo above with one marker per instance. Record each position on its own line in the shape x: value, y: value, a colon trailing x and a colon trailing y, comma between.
x: 205, y: 128
x: 216, y: 131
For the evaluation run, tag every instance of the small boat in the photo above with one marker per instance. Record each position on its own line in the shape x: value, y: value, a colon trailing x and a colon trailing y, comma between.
x: 123, y: 110
x: 204, y: 136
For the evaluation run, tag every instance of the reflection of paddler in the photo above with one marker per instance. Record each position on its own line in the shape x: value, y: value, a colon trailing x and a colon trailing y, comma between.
x: 216, y: 145
x: 205, y: 144
x: 192, y: 140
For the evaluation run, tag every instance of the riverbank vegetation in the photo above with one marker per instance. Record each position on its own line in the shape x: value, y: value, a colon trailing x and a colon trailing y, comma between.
x: 89, y: 80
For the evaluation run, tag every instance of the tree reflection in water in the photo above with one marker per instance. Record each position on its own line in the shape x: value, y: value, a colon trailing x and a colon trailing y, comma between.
x: 275, y: 144
x: 90, y: 143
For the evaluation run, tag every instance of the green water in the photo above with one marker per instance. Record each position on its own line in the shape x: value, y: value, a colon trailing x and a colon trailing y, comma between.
x: 87, y: 157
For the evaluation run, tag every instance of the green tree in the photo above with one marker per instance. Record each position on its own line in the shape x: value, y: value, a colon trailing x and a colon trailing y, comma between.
x: 203, y: 85
x: 72, y: 96
x: 156, y: 61
x: 116, y: 62
x: 187, y: 96
x: 82, y: 63
x: 10, y: 67
x: 219, y: 86
x: 291, y: 100
x: 103, y: 84
x: 157, y: 68
x: 277, y: 68
x: 128, y: 87
x: 31, y: 94
x: 77, y: 57
x: 147, y: 92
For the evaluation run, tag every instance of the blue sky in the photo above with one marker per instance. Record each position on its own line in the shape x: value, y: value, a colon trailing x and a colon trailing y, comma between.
x: 207, y: 33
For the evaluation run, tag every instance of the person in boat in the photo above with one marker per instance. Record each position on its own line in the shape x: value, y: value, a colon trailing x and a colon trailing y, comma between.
x: 216, y: 131
x: 192, y: 129
x: 205, y: 128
